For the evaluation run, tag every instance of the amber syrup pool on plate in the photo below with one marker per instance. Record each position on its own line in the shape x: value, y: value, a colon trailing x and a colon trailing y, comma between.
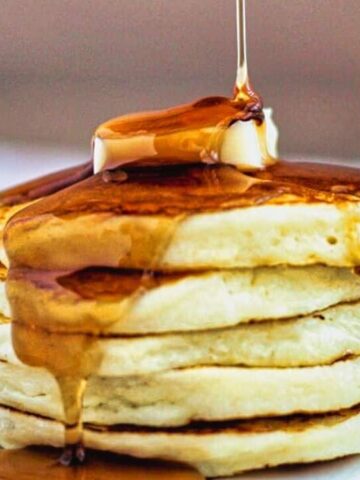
x: 42, y: 463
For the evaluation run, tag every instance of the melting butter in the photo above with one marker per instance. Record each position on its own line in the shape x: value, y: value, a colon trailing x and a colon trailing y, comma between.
x: 212, y: 130
x: 250, y: 146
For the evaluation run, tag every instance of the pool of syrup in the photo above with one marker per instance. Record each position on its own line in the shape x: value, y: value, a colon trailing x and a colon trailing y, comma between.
x: 42, y: 463
x: 109, y: 283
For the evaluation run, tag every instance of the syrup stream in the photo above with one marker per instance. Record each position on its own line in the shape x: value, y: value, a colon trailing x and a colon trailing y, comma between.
x: 242, y: 77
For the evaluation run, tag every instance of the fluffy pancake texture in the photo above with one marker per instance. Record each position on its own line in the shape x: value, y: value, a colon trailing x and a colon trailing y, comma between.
x: 123, y: 302
x: 215, y: 450
x: 318, y: 339
x: 194, y: 218
x: 180, y: 397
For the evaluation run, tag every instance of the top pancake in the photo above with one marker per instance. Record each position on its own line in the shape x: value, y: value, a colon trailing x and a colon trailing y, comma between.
x: 194, y: 218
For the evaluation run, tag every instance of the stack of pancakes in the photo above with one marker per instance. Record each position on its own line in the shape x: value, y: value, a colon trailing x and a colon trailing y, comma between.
x: 228, y: 313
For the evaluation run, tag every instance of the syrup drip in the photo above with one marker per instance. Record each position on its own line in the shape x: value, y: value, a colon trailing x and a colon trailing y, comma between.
x: 42, y: 349
x: 26, y: 193
x: 242, y: 76
x: 73, y: 356
x: 72, y: 390
x: 243, y: 91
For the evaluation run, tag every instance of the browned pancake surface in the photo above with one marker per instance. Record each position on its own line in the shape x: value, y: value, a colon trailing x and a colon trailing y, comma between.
x: 193, y: 189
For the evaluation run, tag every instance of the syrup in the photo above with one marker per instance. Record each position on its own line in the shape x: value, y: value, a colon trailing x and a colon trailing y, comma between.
x: 72, y: 353
x: 26, y: 193
x: 41, y: 463
x: 243, y: 91
x: 181, y: 190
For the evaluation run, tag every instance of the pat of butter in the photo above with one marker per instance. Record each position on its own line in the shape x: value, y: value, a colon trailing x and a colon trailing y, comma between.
x: 250, y: 146
x: 245, y: 144
x: 107, y: 152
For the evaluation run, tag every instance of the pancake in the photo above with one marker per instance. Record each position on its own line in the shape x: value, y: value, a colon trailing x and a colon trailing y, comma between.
x: 194, y: 218
x: 127, y: 302
x: 318, y: 339
x: 179, y: 397
x: 214, y: 450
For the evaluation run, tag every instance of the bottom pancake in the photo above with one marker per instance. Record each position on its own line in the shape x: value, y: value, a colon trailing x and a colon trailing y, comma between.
x: 214, y: 449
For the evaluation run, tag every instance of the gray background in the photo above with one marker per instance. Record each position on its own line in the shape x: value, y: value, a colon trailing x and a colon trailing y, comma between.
x: 66, y: 65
